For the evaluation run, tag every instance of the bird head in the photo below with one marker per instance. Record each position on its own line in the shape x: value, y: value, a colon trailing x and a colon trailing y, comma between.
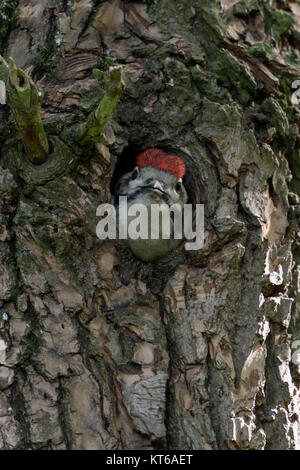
x: 156, y: 179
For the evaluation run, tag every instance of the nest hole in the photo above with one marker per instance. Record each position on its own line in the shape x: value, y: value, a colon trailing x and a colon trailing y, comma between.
x: 192, y: 180
x: 124, y: 164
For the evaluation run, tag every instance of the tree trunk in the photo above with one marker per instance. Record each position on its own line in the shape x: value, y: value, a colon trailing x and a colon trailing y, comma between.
x: 199, y: 350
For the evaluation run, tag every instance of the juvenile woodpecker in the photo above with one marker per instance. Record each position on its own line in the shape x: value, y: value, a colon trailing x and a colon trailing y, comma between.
x: 156, y: 180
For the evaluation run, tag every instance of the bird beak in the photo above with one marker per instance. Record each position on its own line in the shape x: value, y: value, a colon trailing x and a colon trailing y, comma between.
x: 158, y: 185
x: 155, y: 185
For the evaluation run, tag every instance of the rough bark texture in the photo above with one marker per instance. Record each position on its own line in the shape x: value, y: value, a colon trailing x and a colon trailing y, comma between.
x: 101, y: 351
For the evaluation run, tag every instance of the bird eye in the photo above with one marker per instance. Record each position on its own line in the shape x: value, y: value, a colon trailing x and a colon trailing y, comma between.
x: 178, y: 186
x: 135, y: 174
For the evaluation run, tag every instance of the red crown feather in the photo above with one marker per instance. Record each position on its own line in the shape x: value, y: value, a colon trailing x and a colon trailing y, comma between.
x: 161, y: 161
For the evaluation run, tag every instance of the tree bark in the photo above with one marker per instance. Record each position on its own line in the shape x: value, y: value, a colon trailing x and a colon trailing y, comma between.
x: 199, y: 350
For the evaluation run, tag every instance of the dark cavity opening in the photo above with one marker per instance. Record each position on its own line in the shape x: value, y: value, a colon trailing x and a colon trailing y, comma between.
x: 127, y: 161
x: 21, y: 81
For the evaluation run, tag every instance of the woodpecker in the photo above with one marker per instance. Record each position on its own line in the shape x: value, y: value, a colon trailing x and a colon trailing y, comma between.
x: 155, y: 180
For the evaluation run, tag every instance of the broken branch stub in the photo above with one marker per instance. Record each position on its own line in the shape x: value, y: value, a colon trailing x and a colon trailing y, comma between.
x: 24, y: 100
x: 91, y: 131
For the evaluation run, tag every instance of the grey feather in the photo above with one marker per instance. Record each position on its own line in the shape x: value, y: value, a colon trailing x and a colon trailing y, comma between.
x: 149, y: 186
